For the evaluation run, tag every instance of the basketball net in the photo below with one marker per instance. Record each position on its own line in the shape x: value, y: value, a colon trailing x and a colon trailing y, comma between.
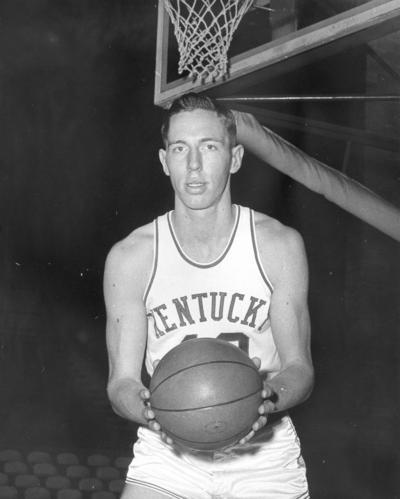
x: 204, y: 30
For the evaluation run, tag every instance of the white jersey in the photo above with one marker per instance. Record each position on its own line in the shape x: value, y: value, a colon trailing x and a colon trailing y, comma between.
x: 228, y: 298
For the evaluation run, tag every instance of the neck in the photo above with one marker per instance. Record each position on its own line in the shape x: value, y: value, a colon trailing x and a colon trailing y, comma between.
x: 203, y: 234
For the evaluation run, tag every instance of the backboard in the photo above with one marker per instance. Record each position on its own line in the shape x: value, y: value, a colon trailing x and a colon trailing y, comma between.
x: 274, y: 37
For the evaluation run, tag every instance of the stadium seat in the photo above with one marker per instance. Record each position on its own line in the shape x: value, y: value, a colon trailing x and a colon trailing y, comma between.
x: 90, y: 484
x: 103, y: 494
x: 69, y: 494
x: 122, y: 462
x: 44, y: 469
x: 37, y: 493
x: 7, y: 492
x: 58, y: 482
x: 67, y: 458
x: 35, y: 457
x: 116, y: 486
x: 98, y: 460
x: 15, y: 468
x: 25, y: 481
x: 77, y: 471
x: 107, y: 473
x: 10, y: 455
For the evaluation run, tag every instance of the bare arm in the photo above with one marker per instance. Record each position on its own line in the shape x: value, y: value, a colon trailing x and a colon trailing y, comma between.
x: 284, y: 259
x: 126, y: 273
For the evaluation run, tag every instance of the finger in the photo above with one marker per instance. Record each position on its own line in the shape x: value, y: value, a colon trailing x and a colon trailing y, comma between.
x: 144, y: 394
x: 257, y: 362
x: 261, y: 421
x: 266, y: 408
x: 149, y: 414
x: 168, y: 440
x: 153, y: 425
x: 268, y: 391
x: 247, y: 437
x: 269, y: 407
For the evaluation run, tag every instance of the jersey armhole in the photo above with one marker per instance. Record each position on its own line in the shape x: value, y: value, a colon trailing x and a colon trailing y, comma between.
x: 155, y: 261
x: 257, y: 253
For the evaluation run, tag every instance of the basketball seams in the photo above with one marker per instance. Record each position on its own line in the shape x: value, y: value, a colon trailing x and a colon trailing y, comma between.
x: 206, y: 390
x: 183, y: 369
x: 208, y: 406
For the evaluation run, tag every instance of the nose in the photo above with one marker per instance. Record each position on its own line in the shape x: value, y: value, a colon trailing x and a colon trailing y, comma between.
x: 194, y: 161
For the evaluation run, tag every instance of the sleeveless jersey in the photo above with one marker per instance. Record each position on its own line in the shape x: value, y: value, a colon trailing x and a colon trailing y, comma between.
x: 228, y: 298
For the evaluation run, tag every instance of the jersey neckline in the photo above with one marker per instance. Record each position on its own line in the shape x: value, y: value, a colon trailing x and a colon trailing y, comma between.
x: 215, y: 262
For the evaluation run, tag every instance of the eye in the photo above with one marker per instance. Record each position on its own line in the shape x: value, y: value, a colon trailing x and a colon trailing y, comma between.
x: 211, y: 147
x: 177, y: 148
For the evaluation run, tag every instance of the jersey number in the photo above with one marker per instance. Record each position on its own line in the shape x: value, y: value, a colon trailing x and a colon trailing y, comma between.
x: 238, y: 339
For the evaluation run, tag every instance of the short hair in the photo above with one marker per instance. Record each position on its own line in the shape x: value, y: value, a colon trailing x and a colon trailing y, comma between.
x: 193, y: 101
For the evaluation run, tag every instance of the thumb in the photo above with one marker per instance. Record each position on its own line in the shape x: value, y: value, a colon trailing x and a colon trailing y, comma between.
x: 257, y: 362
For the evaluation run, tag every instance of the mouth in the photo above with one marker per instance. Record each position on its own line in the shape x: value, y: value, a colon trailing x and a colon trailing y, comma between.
x: 195, y: 186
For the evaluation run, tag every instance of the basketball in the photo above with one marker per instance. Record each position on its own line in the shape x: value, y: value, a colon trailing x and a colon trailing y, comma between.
x: 205, y: 393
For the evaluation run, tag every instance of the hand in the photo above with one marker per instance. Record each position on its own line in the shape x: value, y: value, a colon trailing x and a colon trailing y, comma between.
x: 151, y: 417
x: 265, y: 408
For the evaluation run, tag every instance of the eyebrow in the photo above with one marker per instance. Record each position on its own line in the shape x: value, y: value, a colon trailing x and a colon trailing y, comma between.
x: 204, y: 139
x: 212, y: 139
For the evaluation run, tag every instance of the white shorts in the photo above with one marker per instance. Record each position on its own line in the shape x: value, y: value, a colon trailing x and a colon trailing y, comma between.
x: 270, y: 466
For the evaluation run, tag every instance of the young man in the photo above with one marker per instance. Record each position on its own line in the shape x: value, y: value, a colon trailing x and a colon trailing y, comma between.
x: 210, y: 269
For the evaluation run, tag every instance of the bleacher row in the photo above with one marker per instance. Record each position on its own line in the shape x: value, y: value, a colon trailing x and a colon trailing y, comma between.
x: 66, y: 475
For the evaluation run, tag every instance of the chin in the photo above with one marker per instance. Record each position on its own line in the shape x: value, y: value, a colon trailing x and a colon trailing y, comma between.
x: 199, y: 202
x: 197, y: 206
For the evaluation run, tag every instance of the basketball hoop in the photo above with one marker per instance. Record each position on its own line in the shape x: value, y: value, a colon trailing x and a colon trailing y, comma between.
x: 204, y: 30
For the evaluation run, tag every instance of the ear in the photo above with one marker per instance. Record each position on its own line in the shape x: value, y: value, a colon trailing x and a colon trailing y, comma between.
x: 162, y: 154
x: 237, y: 156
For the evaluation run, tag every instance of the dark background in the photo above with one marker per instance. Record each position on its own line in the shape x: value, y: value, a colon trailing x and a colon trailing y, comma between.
x: 79, y: 170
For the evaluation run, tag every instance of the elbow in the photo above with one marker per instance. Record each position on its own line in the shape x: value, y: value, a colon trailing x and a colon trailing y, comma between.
x: 112, y: 397
x: 116, y: 393
x: 309, y: 382
x: 111, y: 389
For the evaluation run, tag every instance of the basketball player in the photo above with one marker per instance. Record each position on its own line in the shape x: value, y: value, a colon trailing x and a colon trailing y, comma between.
x: 210, y: 268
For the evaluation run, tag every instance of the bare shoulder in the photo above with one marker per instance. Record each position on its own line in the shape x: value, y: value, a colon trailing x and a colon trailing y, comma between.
x: 274, y: 233
x: 279, y: 246
x: 132, y: 257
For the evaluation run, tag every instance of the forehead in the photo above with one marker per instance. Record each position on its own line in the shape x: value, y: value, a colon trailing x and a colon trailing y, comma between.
x: 198, y: 123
